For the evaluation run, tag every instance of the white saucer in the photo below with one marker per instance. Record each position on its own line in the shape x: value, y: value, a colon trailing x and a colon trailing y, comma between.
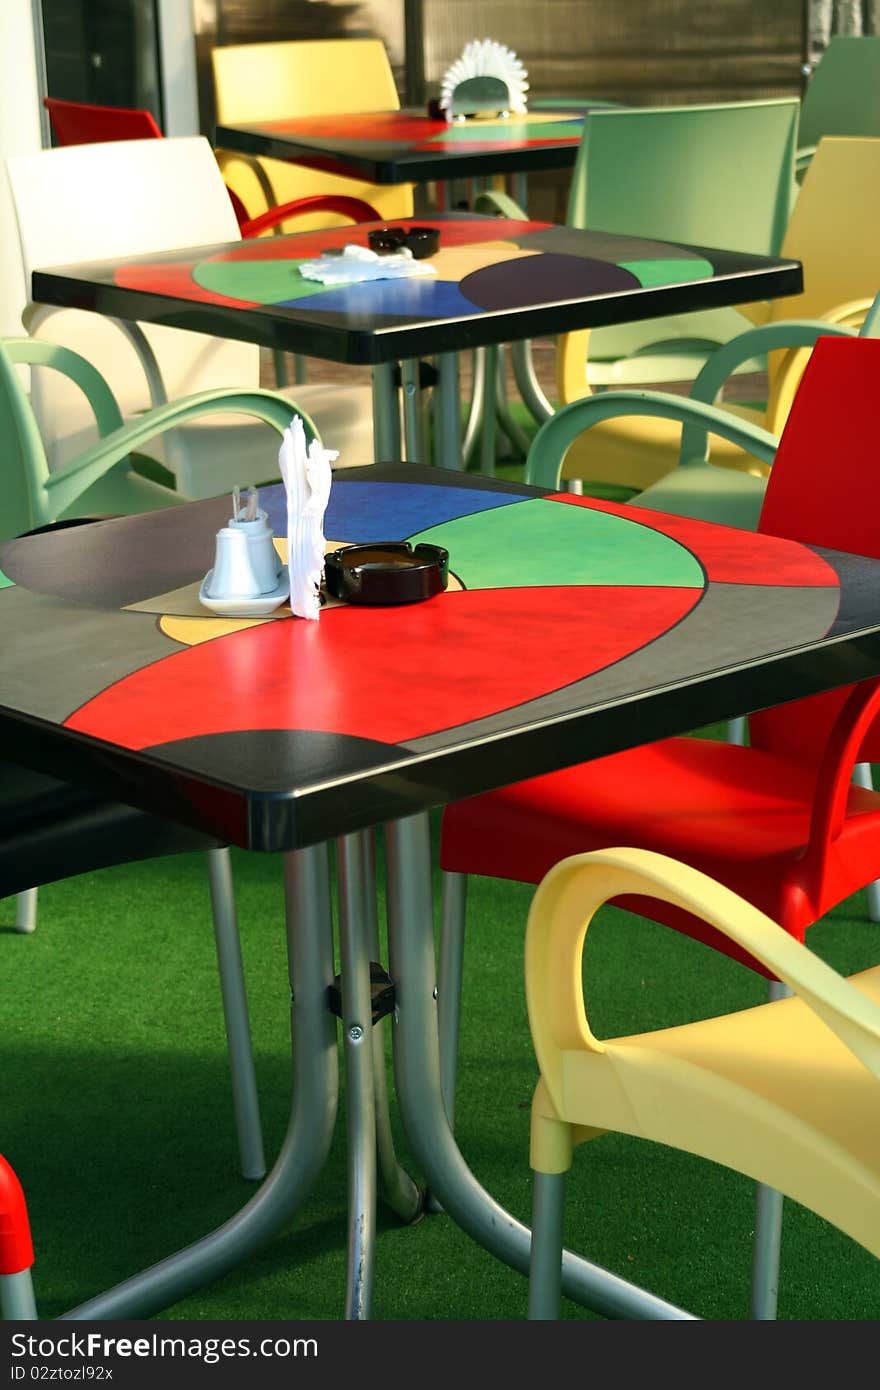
x: 246, y: 607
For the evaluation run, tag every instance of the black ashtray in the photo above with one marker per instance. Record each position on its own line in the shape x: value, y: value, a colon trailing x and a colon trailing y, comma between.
x: 421, y: 241
x: 386, y: 572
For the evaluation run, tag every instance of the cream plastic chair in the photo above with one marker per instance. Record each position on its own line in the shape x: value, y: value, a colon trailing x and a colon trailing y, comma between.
x: 832, y: 232
x: 786, y: 1093
x: 136, y: 197
x: 315, y: 77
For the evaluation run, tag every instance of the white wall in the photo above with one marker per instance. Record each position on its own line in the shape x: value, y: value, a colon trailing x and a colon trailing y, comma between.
x: 20, y: 133
x: 177, y: 49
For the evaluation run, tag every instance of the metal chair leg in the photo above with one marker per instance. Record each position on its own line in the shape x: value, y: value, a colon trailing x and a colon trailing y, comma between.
x: 17, y: 1297
x: 863, y: 777
x: 767, y: 1239
x: 235, y: 1013
x: 26, y: 910
x: 545, y: 1260
x: 736, y: 730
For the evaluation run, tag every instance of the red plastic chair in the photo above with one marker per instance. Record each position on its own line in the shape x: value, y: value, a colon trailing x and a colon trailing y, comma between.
x: 16, y: 1248
x: 779, y: 821
x: 81, y: 123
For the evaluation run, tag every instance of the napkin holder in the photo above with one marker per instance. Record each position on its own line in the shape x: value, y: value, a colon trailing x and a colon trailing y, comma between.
x: 487, y: 79
x: 480, y: 96
x: 386, y: 572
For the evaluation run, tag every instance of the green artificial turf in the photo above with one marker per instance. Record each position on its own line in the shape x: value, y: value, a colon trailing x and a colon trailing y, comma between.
x: 116, y: 1112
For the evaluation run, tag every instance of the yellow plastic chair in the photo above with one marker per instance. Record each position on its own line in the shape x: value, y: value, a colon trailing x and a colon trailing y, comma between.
x: 832, y: 231
x: 785, y: 1093
x: 316, y: 77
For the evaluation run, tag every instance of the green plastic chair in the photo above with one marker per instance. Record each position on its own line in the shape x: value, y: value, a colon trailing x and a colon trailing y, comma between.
x: 101, y: 479
x: 843, y: 95
x: 696, y: 488
x: 709, y: 175
x: 719, y: 175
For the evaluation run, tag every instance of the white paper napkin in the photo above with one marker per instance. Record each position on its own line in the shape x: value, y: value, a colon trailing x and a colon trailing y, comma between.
x: 358, y: 263
x: 307, y: 477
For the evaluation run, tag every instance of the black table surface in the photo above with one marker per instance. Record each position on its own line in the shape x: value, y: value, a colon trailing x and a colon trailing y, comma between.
x: 496, y: 280
x: 389, y: 147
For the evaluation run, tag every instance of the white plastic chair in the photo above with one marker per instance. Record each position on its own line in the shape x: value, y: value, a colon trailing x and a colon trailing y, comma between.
x: 137, y: 197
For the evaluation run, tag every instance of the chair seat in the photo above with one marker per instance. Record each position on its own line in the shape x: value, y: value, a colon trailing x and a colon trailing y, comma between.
x: 739, y: 814
x: 672, y: 349
x: 50, y: 830
x: 734, y: 1089
x: 637, y: 451
x: 223, y: 450
x: 124, y: 491
x: 723, y: 495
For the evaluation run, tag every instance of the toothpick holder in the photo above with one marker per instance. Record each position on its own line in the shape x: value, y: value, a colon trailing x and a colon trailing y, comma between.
x: 264, y: 560
x: 246, y: 564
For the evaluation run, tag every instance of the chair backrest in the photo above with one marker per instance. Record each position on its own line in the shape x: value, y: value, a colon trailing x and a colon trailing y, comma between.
x: 832, y: 228
x: 824, y: 490
x: 310, y: 77
x: 26, y: 501
x: 24, y: 459
x: 314, y: 77
x: 118, y: 199
x: 711, y: 175
x: 81, y: 123
x: 843, y: 95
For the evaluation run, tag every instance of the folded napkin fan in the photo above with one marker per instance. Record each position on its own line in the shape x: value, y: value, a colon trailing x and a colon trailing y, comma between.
x: 356, y: 263
x: 307, y: 478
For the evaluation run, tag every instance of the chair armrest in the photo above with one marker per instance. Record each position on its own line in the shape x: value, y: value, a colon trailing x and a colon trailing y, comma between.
x: 35, y: 315
x: 64, y: 485
x: 500, y: 204
x: 857, y: 315
x: 38, y: 352
x: 545, y: 457
x: 789, y: 333
x: 568, y: 898
x: 834, y: 778
x: 354, y: 208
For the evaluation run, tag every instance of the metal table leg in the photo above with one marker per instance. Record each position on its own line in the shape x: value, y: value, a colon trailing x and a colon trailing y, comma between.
x: 417, y: 1073
x: 310, y: 1130
x: 396, y: 1187
x: 448, y: 450
x: 246, y: 1104
x: 386, y: 415
x: 413, y: 441
x: 359, y: 1094
x: 366, y: 1100
x: 477, y: 405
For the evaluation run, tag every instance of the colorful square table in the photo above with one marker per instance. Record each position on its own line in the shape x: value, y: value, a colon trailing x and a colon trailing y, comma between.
x: 411, y: 146
x: 496, y: 280
x: 571, y: 628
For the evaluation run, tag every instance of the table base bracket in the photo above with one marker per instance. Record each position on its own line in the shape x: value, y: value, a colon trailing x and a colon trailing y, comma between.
x: 381, y: 993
